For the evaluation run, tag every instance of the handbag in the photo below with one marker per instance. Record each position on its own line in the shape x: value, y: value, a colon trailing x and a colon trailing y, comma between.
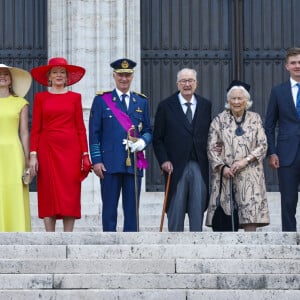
x: 221, y: 221
x: 26, y: 178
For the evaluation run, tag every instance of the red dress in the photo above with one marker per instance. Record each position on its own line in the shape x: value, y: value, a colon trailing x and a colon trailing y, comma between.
x: 59, y: 137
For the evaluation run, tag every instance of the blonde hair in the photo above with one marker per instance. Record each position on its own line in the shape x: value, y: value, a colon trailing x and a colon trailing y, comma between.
x: 291, y: 52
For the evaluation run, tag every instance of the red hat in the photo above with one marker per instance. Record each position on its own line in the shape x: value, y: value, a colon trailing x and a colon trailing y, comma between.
x: 40, y: 74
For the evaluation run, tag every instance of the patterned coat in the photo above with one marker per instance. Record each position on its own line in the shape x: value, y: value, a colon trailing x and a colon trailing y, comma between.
x: 249, y: 183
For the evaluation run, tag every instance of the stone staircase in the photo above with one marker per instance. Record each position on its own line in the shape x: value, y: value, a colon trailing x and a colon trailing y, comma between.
x: 90, y: 264
x: 150, y: 214
x: 97, y: 265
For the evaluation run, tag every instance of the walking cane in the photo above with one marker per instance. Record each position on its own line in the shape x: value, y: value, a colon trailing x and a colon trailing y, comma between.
x: 137, y: 206
x: 128, y: 163
x: 231, y: 203
x: 165, y: 203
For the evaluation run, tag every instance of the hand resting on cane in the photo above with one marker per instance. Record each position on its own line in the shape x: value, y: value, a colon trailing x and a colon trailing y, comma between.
x: 167, y: 167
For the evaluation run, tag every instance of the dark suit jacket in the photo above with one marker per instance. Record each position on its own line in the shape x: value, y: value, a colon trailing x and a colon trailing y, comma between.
x: 282, y: 110
x: 174, y: 136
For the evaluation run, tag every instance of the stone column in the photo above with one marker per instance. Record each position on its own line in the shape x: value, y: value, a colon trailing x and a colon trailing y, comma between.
x: 93, y: 33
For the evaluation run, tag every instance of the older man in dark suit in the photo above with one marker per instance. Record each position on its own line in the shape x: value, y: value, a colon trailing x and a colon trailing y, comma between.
x: 179, y: 140
x: 284, y: 109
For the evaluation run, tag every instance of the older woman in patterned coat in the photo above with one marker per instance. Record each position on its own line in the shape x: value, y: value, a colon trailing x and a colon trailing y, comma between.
x: 241, y: 135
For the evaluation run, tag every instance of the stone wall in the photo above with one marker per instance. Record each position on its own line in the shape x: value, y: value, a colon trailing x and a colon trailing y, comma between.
x: 92, y: 34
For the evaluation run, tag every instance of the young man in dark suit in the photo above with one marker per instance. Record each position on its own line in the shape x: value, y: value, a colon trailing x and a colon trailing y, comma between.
x: 180, y: 140
x: 284, y: 153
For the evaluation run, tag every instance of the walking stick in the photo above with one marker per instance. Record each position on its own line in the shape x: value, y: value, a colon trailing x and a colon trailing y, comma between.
x: 136, y: 195
x: 165, y: 203
x: 133, y: 138
x: 231, y: 203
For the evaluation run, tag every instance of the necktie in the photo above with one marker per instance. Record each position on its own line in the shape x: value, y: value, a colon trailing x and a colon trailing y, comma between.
x: 188, y: 112
x: 124, y: 102
x: 298, y: 100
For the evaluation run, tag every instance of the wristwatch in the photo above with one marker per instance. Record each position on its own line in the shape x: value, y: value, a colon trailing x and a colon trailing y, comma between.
x: 248, y: 159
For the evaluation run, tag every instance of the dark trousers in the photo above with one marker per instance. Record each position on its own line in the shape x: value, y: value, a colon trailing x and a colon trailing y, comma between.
x: 111, y: 187
x: 289, y: 179
x: 190, y: 198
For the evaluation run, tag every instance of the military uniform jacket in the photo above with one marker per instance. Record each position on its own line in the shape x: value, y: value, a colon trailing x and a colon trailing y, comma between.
x: 106, y: 134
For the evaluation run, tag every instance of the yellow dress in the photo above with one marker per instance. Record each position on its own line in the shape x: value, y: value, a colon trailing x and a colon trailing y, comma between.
x: 14, y: 195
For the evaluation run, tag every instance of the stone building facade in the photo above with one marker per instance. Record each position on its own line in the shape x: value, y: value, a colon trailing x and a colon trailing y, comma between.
x: 93, y: 33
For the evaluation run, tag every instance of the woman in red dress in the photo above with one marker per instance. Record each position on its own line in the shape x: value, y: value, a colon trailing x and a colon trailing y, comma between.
x: 58, y: 144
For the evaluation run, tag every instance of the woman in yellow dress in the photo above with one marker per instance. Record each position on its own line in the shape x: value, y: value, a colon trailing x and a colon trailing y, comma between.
x: 14, y: 149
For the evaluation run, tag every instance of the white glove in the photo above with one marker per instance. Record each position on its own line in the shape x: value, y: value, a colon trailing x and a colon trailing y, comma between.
x: 139, y: 145
x: 127, y: 143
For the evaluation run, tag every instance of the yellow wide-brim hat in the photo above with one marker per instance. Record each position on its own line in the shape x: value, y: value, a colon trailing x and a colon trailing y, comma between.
x: 21, y: 80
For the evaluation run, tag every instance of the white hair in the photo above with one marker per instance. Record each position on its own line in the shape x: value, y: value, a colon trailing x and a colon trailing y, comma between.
x: 245, y: 92
x: 186, y: 70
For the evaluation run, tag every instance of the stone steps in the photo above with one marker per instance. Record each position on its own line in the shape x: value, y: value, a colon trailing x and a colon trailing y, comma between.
x: 90, y: 264
x: 149, y: 294
x: 149, y: 265
x: 59, y: 228
x: 150, y: 214
x: 151, y: 281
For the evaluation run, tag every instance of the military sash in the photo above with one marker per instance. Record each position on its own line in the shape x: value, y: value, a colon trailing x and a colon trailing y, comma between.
x: 126, y: 123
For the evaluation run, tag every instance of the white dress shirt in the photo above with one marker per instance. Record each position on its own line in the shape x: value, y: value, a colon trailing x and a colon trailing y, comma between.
x: 294, y: 89
x: 184, y: 107
x: 127, y: 98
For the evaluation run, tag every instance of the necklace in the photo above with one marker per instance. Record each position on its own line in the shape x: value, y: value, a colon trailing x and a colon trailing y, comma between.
x: 239, y: 130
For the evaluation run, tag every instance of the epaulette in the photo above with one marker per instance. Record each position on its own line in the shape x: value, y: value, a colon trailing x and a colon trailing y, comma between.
x: 140, y: 94
x: 102, y: 92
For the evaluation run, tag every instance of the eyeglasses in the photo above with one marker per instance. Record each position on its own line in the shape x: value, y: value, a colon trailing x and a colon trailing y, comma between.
x: 184, y: 81
x: 237, y: 99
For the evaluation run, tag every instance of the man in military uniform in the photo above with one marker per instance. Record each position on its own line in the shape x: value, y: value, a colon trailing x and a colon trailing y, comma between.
x: 119, y: 131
